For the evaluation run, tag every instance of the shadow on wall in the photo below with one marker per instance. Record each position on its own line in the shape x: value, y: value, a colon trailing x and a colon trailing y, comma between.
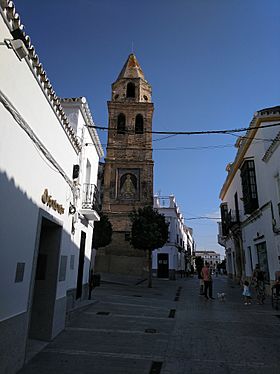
x: 32, y: 269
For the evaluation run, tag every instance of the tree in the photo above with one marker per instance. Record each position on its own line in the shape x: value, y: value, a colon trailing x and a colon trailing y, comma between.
x: 102, y: 232
x: 149, y: 231
x: 199, y: 263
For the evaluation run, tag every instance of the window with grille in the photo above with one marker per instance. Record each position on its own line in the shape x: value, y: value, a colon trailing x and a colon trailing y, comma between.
x: 249, y: 187
x: 224, y: 217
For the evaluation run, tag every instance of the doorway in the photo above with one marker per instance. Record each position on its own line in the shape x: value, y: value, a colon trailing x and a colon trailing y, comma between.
x: 163, y: 265
x: 81, y: 265
x: 45, y: 283
x: 262, y: 259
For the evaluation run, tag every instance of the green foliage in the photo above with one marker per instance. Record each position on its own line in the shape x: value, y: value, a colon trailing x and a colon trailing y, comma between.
x: 102, y: 233
x: 149, y: 230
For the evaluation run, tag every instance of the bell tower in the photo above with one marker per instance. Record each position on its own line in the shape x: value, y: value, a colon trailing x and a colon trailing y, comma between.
x: 128, y: 173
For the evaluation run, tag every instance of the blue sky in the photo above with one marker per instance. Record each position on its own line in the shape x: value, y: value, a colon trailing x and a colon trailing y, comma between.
x: 211, y: 64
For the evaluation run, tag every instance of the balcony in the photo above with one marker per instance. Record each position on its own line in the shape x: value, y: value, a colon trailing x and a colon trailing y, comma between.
x: 230, y: 221
x: 221, y: 240
x: 233, y: 218
x: 90, y: 202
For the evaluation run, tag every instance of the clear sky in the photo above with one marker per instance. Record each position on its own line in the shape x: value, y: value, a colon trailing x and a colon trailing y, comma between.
x: 211, y: 64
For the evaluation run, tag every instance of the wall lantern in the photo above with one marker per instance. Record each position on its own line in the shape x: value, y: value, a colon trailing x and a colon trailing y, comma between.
x: 17, y: 46
x: 72, y: 209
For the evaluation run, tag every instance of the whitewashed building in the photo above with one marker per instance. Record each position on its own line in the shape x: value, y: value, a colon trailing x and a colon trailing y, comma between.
x: 250, y: 208
x: 213, y: 258
x: 87, y: 202
x: 174, y: 255
x: 46, y: 224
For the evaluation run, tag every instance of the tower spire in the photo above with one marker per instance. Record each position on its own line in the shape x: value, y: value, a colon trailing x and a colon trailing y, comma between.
x: 131, y: 68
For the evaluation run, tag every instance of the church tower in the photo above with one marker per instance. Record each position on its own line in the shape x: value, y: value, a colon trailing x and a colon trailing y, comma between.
x: 128, y: 173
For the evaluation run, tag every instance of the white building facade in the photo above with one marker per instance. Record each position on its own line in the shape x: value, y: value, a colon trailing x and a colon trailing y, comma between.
x: 213, y: 258
x: 250, y: 197
x: 175, y: 254
x: 46, y: 229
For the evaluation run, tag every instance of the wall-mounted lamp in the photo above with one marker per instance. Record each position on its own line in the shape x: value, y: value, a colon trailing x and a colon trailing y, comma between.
x: 17, y: 46
x: 72, y: 209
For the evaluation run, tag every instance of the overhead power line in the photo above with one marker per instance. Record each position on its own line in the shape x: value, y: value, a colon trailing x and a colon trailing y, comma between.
x: 220, y: 146
x: 253, y: 138
x: 207, y: 132
x: 193, y: 218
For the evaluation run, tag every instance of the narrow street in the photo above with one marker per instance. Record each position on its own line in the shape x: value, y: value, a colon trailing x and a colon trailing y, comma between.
x: 129, y: 328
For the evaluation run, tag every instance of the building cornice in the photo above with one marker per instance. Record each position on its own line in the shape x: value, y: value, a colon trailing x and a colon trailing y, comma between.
x: 12, y: 19
x: 271, y: 149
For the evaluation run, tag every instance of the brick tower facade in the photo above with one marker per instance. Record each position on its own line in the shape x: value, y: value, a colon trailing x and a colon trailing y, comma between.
x: 128, y: 173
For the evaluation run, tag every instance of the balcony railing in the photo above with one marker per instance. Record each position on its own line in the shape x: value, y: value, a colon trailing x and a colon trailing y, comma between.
x: 230, y: 220
x: 233, y: 218
x: 90, y: 198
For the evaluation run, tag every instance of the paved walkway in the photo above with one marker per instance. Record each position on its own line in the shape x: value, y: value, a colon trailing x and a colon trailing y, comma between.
x: 130, y: 329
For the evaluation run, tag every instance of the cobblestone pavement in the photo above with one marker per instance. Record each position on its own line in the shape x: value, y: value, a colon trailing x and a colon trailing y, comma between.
x: 129, y: 327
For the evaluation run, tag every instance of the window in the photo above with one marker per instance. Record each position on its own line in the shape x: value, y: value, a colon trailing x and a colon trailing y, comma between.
x: 249, y: 187
x: 262, y: 259
x: 121, y: 124
x: 224, y: 217
x: 250, y: 258
x: 277, y: 178
x: 130, y: 90
x: 88, y: 172
x: 236, y: 207
x: 139, y: 124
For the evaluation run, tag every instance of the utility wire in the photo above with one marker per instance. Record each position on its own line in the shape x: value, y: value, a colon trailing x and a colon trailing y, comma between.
x: 252, y: 138
x: 230, y: 131
x: 165, y: 137
x: 216, y: 146
x: 193, y: 218
x: 220, y: 146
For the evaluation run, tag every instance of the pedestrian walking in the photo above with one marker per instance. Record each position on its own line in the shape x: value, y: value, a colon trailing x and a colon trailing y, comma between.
x: 201, y: 283
x: 246, y: 293
x: 207, y: 279
x: 258, y: 279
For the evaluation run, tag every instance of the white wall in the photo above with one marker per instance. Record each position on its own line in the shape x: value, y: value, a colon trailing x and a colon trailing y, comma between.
x: 172, y: 257
x: 26, y: 173
x: 88, y: 155
x: 268, y: 198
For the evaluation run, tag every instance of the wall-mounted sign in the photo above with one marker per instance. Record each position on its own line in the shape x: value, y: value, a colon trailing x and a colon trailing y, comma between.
x: 47, y: 199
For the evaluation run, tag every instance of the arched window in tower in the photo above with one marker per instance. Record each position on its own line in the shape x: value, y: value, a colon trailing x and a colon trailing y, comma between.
x: 130, y: 90
x: 139, y: 124
x: 121, y: 124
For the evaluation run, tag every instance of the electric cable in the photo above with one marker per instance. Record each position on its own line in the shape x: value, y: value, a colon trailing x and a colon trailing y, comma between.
x: 165, y: 137
x: 169, y: 148
x: 202, y: 217
x: 206, y: 132
x: 252, y: 138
